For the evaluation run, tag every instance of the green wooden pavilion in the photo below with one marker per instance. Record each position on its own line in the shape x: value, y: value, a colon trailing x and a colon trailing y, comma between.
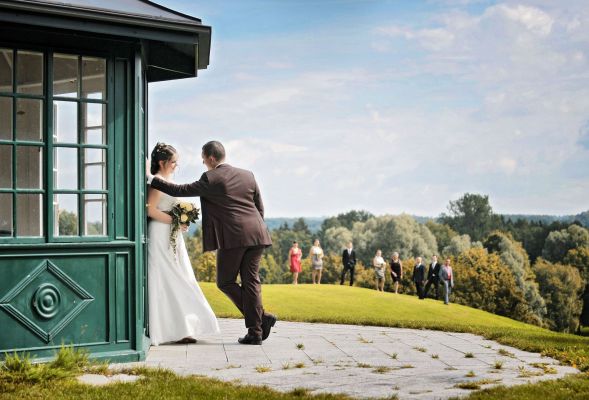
x: 74, y: 76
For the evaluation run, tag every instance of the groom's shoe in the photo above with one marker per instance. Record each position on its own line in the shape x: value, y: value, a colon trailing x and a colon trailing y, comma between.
x: 250, y: 339
x: 268, y: 321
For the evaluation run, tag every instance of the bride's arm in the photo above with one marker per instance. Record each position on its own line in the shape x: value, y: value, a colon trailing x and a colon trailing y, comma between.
x: 153, y: 198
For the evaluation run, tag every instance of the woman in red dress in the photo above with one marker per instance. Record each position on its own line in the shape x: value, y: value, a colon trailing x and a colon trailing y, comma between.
x: 294, y: 255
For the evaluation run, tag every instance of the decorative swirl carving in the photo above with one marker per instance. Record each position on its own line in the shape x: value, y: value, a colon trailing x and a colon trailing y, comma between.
x: 46, y: 300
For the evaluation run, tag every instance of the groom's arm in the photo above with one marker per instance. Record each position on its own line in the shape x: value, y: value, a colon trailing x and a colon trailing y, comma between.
x: 194, y: 189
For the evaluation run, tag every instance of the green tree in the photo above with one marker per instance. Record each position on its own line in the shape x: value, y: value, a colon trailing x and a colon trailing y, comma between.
x: 579, y: 258
x: 471, y: 215
x: 483, y: 281
x: 515, y: 257
x: 459, y: 244
x: 558, y: 243
x: 68, y: 223
x: 400, y: 233
x: 301, y: 226
x: 335, y: 239
x: 442, y: 232
x: 560, y: 285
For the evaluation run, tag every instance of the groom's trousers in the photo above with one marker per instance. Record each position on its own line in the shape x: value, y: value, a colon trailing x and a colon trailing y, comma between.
x: 244, y: 261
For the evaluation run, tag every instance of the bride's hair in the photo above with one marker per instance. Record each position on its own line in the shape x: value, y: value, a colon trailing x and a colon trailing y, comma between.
x: 161, y: 152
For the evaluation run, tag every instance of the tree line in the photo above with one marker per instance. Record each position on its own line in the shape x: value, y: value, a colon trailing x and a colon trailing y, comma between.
x: 523, y: 269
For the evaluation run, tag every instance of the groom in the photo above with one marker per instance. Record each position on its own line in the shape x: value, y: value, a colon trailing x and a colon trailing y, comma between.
x: 232, y: 224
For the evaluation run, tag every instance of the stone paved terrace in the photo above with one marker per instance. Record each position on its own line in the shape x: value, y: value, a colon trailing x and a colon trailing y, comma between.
x: 361, y: 361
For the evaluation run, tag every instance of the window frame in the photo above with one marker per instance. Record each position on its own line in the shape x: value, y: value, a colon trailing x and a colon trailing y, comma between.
x: 48, y: 145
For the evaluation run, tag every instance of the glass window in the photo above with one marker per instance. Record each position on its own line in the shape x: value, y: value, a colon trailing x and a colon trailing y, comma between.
x: 6, y: 63
x: 95, y: 215
x: 94, y: 169
x: 29, y: 167
x: 65, y: 75
x: 5, y: 167
x: 29, y: 72
x: 94, y: 78
x: 65, y: 207
x: 93, y: 116
x: 65, y: 121
x: 5, y: 118
x: 6, y: 214
x: 29, y: 119
x: 29, y: 215
x: 65, y: 168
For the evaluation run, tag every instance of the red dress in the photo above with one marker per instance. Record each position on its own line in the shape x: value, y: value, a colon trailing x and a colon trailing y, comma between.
x: 295, y: 261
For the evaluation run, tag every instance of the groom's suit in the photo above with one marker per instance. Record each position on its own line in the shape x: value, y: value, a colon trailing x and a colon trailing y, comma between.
x: 232, y: 224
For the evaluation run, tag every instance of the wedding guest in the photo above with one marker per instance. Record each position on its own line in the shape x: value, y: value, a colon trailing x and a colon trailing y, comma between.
x: 447, y: 279
x: 379, y: 266
x: 316, y: 255
x: 294, y: 255
x: 349, y: 262
x: 433, y: 277
x: 419, y: 277
x: 396, y: 270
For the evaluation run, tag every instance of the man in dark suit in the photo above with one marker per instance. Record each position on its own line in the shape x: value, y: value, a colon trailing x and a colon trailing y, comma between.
x: 349, y: 262
x: 419, y: 277
x: 433, y: 277
x: 233, y: 224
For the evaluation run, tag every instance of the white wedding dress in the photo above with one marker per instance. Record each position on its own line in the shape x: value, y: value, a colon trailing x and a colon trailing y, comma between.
x: 177, y: 306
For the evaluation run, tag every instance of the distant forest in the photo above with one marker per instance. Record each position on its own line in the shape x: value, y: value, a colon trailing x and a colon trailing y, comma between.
x: 314, y: 223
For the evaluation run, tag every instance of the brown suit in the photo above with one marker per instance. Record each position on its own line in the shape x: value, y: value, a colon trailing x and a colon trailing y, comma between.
x: 232, y: 224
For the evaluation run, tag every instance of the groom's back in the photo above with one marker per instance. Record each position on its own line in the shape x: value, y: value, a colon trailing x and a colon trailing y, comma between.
x: 232, y: 210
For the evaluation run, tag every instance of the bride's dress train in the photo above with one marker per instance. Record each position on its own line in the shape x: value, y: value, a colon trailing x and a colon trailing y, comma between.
x: 177, y: 306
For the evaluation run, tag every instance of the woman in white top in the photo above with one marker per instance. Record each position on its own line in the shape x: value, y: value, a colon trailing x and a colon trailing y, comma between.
x: 379, y: 266
x: 316, y: 255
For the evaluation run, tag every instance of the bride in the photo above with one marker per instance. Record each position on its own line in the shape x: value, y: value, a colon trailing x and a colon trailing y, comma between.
x: 178, y: 310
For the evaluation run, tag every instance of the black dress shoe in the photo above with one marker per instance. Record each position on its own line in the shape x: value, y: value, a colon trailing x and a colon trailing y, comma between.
x: 268, y: 321
x: 250, y: 339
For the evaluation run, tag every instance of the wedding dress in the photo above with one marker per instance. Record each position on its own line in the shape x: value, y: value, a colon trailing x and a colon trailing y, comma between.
x: 177, y: 306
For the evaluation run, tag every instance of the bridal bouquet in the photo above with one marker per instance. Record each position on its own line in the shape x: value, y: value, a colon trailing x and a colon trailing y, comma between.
x: 182, y: 213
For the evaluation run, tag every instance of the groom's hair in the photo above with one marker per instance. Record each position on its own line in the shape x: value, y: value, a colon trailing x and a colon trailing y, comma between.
x: 215, y: 149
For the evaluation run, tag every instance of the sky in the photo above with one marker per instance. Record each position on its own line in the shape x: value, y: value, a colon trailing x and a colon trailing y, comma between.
x: 389, y: 106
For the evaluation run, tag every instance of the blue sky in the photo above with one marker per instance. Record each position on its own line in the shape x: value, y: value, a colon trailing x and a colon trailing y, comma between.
x: 390, y: 106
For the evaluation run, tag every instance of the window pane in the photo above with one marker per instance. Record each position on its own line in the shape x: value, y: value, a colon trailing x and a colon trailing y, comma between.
x: 65, y: 168
x: 5, y: 167
x: 93, y: 78
x: 29, y: 119
x: 29, y: 72
x: 65, y: 75
x: 65, y: 121
x: 65, y: 208
x: 29, y: 167
x: 95, y: 215
x: 5, y: 117
x: 93, y: 119
x: 94, y: 169
x: 29, y: 216
x: 6, y: 62
x: 6, y: 214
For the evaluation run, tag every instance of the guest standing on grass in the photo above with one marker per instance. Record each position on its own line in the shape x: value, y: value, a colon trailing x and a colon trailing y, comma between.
x: 379, y: 266
x: 447, y: 279
x: 396, y: 271
x: 419, y: 277
x: 349, y: 262
x: 294, y: 255
x: 433, y: 277
x: 316, y: 255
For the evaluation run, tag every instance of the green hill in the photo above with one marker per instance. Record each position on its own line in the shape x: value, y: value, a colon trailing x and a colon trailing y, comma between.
x: 358, y: 306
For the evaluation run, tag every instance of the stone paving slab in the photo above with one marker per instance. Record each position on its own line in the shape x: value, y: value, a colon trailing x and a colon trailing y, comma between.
x: 361, y: 361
